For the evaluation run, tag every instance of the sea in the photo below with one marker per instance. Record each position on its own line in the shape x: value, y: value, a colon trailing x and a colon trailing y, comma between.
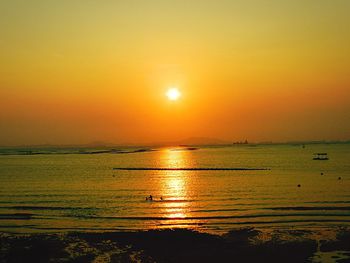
x: 211, y: 189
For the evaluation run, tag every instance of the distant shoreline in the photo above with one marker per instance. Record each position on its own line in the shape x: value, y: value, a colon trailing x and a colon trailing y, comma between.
x: 167, y: 145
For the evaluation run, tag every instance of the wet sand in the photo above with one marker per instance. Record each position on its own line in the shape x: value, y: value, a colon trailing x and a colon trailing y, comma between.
x: 180, y: 245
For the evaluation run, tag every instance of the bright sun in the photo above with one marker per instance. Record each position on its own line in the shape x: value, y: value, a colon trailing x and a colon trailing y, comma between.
x: 173, y: 93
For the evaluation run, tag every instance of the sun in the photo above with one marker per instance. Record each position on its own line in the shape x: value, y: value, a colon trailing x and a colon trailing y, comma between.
x: 173, y: 93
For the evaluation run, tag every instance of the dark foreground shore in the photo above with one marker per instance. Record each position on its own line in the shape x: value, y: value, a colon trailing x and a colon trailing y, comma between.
x: 180, y: 245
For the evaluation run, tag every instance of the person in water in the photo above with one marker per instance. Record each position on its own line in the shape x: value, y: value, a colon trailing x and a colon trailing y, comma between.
x: 150, y: 198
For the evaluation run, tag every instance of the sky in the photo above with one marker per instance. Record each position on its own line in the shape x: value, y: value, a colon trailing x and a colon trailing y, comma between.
x: 75, y: 72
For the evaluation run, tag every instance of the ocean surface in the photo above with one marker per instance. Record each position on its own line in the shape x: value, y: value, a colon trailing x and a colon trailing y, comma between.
x: 48, y: 189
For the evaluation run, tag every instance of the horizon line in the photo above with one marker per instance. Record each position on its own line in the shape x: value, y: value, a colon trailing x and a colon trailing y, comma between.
x: 173, y: 144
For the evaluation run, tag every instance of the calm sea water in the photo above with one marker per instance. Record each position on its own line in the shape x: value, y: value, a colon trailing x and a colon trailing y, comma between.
x: 60, y: 192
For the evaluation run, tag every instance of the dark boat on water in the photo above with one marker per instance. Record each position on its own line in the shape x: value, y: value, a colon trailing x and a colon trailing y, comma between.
x: 320, y: 156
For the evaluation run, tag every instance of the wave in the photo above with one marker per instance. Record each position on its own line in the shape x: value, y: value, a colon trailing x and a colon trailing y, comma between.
x: 40, y: 195
x: 162, y: 218
x: 311, y: 208
x: 218, y: 210
x: 31, y: 201
x: 270, y: 222
x: 328, y: 202
x: 298, y: 208
x: 287, y: 221
x: 46, y: 208
x: 16, y: 216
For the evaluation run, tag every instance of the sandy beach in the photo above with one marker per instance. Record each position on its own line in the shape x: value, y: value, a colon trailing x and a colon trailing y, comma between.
x: 180, y: 245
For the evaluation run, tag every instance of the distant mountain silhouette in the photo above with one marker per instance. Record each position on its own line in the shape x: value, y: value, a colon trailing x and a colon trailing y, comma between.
x: 202, y: 141
x: 191, y: 141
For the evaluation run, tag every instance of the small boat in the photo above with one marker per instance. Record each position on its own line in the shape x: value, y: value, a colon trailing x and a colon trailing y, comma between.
x: 320, y: 156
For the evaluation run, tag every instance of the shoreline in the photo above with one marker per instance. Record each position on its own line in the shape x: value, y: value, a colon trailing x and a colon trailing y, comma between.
x: 179, y: 245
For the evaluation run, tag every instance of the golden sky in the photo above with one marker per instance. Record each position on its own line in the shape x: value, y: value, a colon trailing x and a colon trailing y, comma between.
x: 74, y: 72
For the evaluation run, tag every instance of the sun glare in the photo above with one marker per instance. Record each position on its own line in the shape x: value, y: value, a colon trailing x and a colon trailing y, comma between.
x: 173, y: 94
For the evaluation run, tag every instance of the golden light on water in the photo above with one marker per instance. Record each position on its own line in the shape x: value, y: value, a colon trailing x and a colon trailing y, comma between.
x: 175, y: 184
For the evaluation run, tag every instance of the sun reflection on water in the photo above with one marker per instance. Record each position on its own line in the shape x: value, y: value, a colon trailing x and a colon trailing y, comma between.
x: 175, y: 185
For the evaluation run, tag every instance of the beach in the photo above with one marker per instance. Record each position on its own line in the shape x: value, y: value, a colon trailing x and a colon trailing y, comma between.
x: 180, y: 245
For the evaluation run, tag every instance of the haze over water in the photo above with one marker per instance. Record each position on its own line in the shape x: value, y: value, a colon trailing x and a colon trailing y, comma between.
x: 55, y: 191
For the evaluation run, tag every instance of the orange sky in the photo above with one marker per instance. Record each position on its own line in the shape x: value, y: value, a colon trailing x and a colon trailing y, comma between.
x: 74, y: 72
